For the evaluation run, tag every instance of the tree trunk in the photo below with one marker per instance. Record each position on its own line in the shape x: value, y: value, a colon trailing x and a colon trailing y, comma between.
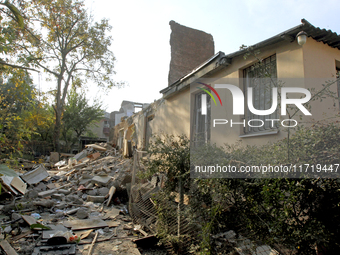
x: 58, y: 111
x: 57, y: 129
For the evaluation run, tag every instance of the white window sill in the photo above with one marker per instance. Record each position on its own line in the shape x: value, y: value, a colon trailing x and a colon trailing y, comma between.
x: 274, y: 132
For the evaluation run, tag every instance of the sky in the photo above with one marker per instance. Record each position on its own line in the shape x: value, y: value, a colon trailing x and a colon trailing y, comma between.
x: 141, y: 34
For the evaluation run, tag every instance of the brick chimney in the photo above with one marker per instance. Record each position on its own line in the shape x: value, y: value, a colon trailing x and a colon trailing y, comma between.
x: 189, y: 48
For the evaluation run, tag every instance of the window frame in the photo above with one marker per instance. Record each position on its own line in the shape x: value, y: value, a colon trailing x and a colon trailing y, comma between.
x: 198, y: 120
x: 260, y: 74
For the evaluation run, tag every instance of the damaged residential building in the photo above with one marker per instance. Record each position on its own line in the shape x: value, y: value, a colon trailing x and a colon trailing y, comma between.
x: 286, y: 58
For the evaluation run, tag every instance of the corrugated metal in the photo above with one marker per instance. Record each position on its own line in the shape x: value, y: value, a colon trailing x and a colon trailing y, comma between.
x: 321, y: 35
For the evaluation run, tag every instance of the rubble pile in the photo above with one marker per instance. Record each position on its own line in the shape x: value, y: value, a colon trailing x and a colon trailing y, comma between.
x: 70, y: 206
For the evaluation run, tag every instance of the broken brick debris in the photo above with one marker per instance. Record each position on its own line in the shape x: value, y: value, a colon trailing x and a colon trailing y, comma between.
x: 80, y: 193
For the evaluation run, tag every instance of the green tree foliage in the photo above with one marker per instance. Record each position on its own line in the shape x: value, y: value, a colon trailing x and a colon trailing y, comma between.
x: 169, y: 155
x: 14, y: 13
x: 16, y: 97
x: 41, y: 120
x: 301, y: 214
x: 78, y: 116
x: 67, y: 44
x: 12, y: 27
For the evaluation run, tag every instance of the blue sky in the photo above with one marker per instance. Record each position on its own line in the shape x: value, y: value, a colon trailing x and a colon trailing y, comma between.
x: 141, y: 33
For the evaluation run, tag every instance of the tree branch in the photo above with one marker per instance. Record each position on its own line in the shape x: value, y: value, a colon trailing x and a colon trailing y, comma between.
x: 16, y: 66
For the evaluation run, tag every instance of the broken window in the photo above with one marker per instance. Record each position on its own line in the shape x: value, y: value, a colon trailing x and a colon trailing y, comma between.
x: 201, y: 128
x: 262, y: 78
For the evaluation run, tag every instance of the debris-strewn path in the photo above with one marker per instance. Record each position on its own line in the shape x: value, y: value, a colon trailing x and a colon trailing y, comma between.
x: 77, y: 205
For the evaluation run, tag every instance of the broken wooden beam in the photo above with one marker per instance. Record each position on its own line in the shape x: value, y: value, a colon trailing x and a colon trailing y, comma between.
x: 93, y: 242
x: 8, y: 249
x: 111, y: 193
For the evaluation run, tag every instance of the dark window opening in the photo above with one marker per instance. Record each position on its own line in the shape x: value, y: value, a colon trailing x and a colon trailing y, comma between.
x: 201, y: 134
x: 262, y: 77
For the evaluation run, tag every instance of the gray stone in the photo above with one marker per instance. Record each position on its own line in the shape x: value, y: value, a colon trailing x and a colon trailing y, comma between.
x: 16, y: 216
x: 73, y: 199
x: 89, y: 186
x: 32, y: 194
x: 8, y: 229
x: 63, y: 178
x: 84, y: 196
x: 82, y: 213
x: 87, y: 176
x: 64, y: 191
x: 92, y: 192
x: 102, y: 180
x: 103, y: 191
x: 48, y: 203
x: 47, y: 193
x: 79, y: 193
x: 58, y: 215
x: 84, y: 182
x: 58, y: 196
x: 60, y: 206
x: 40, y: 187
x: 72, y: 211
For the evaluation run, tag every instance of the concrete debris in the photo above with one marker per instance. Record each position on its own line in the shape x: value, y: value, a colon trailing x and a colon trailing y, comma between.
x: 35, y: 176
x: 48, y: 203
x: 54, y: 157
x: 47, y: 193
x: 84, y: 194
x: 103, y: 191
x: 101, y: 180
x: 96, y: 199
x: 82, y: 213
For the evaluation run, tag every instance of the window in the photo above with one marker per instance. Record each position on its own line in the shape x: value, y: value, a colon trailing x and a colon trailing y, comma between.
x: 262, y: 78
x: 201, y: 129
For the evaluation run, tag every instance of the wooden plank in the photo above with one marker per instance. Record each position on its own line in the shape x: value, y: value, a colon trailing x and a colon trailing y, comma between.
x: 83, y: 233
x: 112, y: 224
x: 96, y: 147
x: 29, y: 219
x: 93, y: 242
x: 6, y: 181
x: 16, y: 238
x: 19, y: 185
x: 112, y: 213
x: 51, y: 186
x: 111, y: 193
x: 94, y: 156
x: 8, y: 249
x: 106, y: 239
x: 85, y: 224
x: 66, y: 155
